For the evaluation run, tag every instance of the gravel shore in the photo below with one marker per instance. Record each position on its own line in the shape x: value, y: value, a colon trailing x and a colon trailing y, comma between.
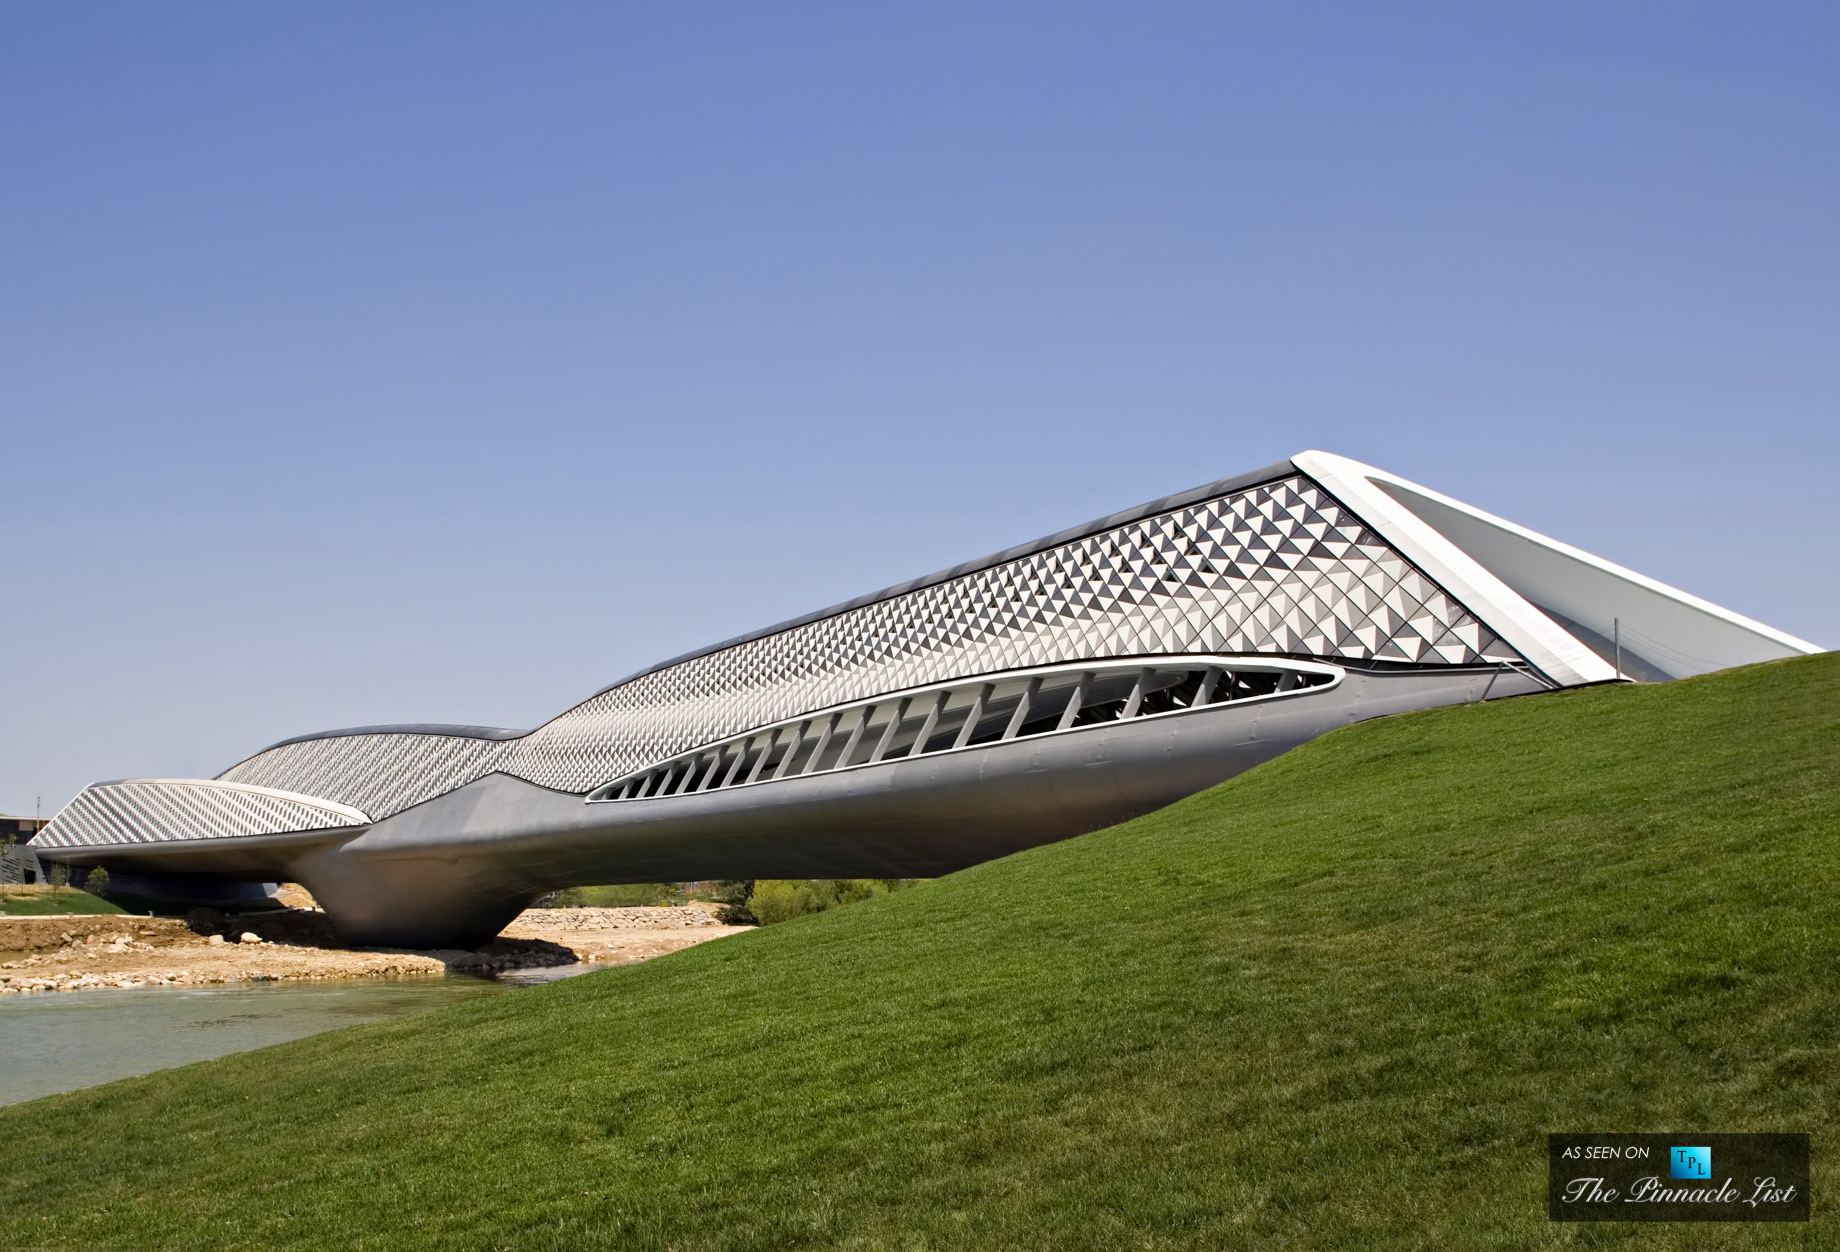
x: 82, y: 952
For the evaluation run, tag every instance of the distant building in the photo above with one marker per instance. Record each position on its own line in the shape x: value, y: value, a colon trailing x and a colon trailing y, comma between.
x: 17, y: 863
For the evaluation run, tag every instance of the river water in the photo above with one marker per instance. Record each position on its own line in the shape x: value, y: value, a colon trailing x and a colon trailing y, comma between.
x: 59, y: 1041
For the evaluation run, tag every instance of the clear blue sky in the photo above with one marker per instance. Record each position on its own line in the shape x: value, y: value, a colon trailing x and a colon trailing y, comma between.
x: 398, y: 362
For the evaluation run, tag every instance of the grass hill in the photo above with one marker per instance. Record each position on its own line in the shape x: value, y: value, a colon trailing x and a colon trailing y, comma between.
x: 35, y: 901
x: 1337, y: 1002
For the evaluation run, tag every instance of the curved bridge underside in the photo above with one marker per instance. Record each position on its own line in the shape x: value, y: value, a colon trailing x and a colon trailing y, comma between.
x: 1050, y: 690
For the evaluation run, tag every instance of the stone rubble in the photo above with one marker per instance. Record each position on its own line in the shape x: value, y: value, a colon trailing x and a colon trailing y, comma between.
x: 638, y: 917
x: 79, y: 953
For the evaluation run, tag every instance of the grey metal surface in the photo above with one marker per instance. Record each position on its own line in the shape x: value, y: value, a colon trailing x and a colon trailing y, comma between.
x: 954, y: 716
x: 464, y: 863
x: 455, y: 869
x: 911, y: 752
x: 379, y: 772
x: 157, y: 810
x: 249, y: 858
x: 1280, y: 569
x: 1619, y: 653
x: 441, y: 729
x: 187, y: 891
x: 1194, y: 495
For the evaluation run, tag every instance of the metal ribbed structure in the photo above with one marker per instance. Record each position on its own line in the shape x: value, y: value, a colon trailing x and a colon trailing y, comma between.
x: 381, y: 773
x: 154, y: 810
x: 1047, y: 690
x: 1278, y: 569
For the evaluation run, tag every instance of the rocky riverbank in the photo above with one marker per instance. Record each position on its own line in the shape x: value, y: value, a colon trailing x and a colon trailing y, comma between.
x: 75, y: 953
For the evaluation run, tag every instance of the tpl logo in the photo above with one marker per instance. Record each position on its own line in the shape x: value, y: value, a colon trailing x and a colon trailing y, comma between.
x: 1690, y: 1163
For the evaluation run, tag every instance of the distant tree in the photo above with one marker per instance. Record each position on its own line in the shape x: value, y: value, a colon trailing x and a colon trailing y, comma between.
x: 733, y: 895
x: 628, y: 895
x: 780, y: 900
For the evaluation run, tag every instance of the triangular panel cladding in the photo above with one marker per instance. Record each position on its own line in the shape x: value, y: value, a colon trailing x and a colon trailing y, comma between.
x: 379, y: 773
x: 1282, y: 568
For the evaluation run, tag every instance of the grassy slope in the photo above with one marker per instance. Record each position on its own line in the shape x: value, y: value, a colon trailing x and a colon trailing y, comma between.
x: 1338, y: 1001
x: 16, y: 903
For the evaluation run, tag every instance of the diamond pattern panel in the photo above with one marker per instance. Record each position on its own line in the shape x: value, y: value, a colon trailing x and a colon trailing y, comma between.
x: 379, y: 773
x: 1278, y: 569
x: 149, y: 811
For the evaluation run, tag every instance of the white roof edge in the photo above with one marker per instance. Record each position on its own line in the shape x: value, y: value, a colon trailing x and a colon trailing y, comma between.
x: 1609, y: 567
x: 1547, y: 646
x: 359, y: 816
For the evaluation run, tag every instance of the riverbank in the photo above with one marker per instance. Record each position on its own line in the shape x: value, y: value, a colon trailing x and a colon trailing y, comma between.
x: 80, y: 953
x: 59, y: 1043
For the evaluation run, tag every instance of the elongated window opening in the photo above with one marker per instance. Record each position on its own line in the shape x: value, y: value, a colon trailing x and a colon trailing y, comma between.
x: 967, y: 714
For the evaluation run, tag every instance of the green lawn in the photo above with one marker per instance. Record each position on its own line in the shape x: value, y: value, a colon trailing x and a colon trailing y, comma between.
x: 16, y: 903
x: 1337, y: 1002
